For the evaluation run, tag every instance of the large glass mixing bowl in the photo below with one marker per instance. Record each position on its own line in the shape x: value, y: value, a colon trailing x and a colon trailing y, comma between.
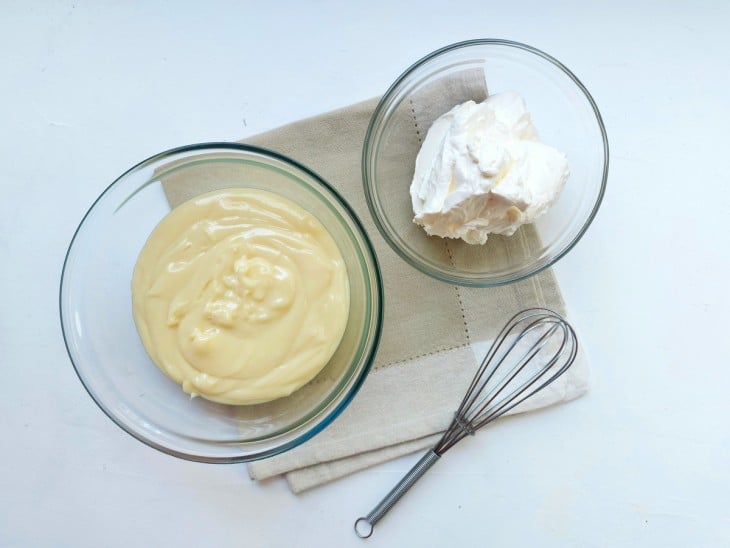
x: 102, y: 341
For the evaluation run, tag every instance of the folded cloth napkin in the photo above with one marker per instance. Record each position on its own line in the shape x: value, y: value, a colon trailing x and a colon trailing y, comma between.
x: 434, y: 334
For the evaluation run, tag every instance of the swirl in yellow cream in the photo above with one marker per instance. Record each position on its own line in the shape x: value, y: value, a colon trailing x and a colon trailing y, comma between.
x: 240, y: 296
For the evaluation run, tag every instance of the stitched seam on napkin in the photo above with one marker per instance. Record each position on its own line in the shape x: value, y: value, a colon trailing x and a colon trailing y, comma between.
x: 415, y: 121
x: 458, y: 296
x: 432, y: 353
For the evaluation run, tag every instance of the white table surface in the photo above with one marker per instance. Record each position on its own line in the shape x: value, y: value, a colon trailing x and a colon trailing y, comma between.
x: 88, y: 89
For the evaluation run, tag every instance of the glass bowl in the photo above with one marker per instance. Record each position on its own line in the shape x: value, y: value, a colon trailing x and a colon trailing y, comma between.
x: 106, y: 351
x: 566, y: 117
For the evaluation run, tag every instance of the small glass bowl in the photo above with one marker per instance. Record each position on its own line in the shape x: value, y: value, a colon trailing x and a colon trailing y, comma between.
x: 106, y: 351
x: 566, y: 117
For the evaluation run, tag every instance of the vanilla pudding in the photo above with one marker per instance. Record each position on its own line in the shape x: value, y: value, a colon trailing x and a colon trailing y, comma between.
x: 240, y: 296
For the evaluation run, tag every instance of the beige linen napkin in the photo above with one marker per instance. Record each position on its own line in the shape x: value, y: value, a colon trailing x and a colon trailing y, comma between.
x: 434, y: 334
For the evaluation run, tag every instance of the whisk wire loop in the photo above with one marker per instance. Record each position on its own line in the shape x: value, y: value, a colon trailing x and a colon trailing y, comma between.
x: 532, y: 350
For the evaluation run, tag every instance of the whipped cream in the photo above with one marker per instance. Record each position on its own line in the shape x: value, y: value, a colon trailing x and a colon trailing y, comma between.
x: 481, y: 170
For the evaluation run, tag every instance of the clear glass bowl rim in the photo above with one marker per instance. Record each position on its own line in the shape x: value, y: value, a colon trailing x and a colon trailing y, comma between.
x: 440, y: 274
x: 378, y: 299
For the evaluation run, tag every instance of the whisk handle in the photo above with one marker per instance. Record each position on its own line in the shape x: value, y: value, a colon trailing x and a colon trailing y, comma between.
x: 364, y: 526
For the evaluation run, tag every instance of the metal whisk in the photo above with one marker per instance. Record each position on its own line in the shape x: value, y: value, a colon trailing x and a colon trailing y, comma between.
x: 535, y: 347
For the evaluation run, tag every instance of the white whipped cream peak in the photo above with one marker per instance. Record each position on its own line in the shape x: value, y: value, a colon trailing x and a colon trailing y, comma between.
x: 481, y: 170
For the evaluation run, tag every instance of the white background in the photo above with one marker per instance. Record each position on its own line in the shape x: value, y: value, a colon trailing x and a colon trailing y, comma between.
x: 87, y: 89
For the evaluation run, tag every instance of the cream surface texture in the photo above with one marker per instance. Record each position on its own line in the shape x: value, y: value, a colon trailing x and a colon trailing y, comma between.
x: 240, y: 296
x: 481, y: 170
